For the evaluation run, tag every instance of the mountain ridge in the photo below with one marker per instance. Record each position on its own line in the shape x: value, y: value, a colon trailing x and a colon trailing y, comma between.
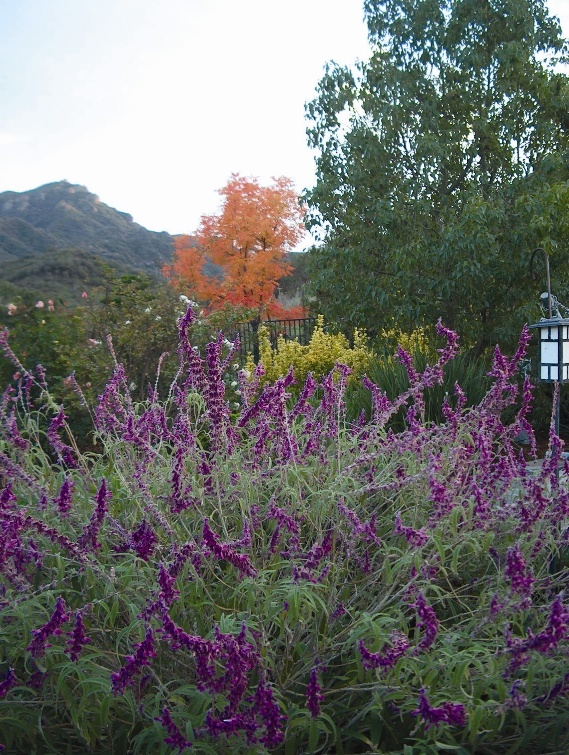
x: 61, y: 215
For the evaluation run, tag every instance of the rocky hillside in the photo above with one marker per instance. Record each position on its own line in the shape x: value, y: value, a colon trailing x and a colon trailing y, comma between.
x: 67, y: 216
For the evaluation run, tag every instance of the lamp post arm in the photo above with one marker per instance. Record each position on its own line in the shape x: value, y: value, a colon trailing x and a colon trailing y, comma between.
x: 546, y: 255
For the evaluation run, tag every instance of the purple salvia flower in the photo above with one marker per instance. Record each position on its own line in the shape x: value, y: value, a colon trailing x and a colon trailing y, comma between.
x: 205, y: 469
x: 366, y: 530
x: 36, y: 680
x: 63, y: 499
x: 175, y: 737
x: 226, y: 552
x: 204, y: 650
x: 417, y: 538
x: 53, y: 627
x: 266, y: 707
x: 313, y: 558
x: 302, y: 406
x: 314, y: 694
x: 15, y: 470
x: 144, y: 540
x: 380, y: 402
x: 168, y: 593
x: 181, y: 555
x: 448, y: 713
x: 14, y: 434
x: 10, y: 681
x: 516, y: 699
x: 546, y: 640
x: 64, y: 452
x: 78, y: 638
x: 144, y: 651
x: 196, y: 379
x: 520, y: 575
x: 340, y: 610
x: 221, y: 432
x: 427, y: 621
x: 181, y: 498
x: 77, y: 390
x: 232, y: 725
x: 284, y: 520
x: 389, y: 657
x: 7, y: 497
x: 91, y: 531
x: 41, y: 373
x: 451, y: 348
x: 495, y: 605
x: 110, y: 415
x: 54, y: 535
x: 318, y: 552
x: 558, y: 625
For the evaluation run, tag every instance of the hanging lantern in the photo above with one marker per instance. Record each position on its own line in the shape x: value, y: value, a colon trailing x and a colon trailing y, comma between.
x: 553, y: 349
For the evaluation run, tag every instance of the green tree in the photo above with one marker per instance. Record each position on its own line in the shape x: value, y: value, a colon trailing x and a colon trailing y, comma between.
x: 442, y: 162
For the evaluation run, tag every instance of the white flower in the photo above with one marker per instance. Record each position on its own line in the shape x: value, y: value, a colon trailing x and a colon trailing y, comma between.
x: 12, y: 309
x: 131, y: 386
x: 228, y: 343
x: 147, y: 310
x: 127, y: 322
x: 235, y: 367
x: 234, y: 383
x: 236, y: 405
x: 157, y: 318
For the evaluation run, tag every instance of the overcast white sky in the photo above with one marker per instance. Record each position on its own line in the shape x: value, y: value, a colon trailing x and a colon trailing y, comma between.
x: 152, y: 105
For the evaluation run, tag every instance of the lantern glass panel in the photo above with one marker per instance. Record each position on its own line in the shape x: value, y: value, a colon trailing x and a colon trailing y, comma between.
x: 553, y: 334
x: 544, y: 374
x: 549, y: 352
x: 565, y: 352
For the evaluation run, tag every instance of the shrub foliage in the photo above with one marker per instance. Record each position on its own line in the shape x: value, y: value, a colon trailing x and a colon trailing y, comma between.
x: 277, y: 578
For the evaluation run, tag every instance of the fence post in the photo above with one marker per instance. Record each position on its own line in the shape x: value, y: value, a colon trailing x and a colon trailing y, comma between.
x: 255, y: 328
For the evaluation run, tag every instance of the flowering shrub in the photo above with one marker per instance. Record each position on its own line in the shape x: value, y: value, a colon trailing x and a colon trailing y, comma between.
x: 280, y: 579
x: 318, y: 357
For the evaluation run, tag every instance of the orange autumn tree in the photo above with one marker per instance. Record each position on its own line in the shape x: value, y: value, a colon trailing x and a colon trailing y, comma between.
x: 247, y: 241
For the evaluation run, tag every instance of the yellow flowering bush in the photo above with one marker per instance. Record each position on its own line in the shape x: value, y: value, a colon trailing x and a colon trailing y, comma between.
x: 418, y: 340
x: 318, y: 357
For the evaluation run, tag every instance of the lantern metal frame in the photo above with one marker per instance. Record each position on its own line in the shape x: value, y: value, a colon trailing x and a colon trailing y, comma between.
x: 553, y: 349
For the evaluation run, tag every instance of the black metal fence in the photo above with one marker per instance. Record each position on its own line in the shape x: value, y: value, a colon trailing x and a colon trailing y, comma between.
x: 248, y: 332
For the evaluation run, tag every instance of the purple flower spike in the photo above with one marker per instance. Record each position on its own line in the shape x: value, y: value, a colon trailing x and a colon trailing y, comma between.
x: 53, y: 627
x: 417, y: 538
x: 9, y: 682
x: 448, y: 713
x: 517, y: 571
x: 64, y: 452
x: 63, y: 499
x: 144, y: 540
x: 78, y: 638
x: 389, y: 657
x: 267, y: 709
x: 226, y: 552
x: 314, y: 694
x: 91, y: 531
x: 175, y: 736
x: 144, y: 651
x: 427, y: 620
